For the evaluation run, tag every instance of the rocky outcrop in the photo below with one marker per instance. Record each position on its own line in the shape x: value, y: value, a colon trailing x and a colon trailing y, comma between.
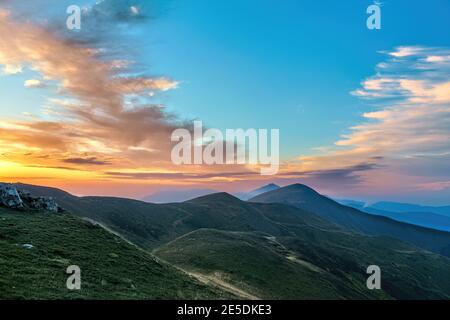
x: 9, y: 197
x: 12, y: 198
x: 41, y: 203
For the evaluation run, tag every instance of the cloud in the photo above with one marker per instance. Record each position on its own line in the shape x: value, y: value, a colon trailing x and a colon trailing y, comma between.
x: 10, y: 69
x: 435, y: 185
x: 134, y: 10
x: 142, y: 85
x: 411, y: 94
x: 407, y: 51
x: 88, y: 161
x: 90, y: 112
x: 438, y: 59
x: 34, y: 83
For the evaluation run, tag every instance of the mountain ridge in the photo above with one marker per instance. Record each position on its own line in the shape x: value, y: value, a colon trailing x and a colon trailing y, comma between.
x: 308, y: 199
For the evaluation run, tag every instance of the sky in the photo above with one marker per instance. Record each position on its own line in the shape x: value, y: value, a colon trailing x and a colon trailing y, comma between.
x: 362, y: 114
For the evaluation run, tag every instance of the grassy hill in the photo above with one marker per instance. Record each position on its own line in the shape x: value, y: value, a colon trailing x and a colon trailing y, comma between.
x: 110, y: 267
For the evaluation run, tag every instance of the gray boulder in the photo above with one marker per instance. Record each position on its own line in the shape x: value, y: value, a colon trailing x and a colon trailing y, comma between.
x: 9, y: 196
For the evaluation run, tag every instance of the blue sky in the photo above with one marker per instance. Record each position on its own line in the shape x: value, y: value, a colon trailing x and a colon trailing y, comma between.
x: 289, y: 65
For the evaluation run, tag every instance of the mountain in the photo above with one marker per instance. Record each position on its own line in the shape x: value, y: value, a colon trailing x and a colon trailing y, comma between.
x: 268, y: 250
x: 258, y: 191
x: 36, y: 249
x: 177, y: 195
x: 406, y: 207
x: 308, y: 199
x: 424, y: 219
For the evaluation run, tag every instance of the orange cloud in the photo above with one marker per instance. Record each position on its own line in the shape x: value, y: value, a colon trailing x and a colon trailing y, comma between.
x: 90, y: 120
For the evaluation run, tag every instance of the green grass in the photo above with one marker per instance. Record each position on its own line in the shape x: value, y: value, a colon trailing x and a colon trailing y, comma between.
x: 260, y: 266
x: 314, y: 264
x: 268, y: 250
x: 110, y: 267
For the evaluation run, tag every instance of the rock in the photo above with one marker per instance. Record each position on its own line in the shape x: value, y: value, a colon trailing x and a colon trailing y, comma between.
x: 9, y: 197
x: 44, y: 204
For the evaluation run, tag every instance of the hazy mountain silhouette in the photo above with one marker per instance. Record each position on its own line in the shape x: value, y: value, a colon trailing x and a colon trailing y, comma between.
x: 425, y: 219
x: 177, y: 195
x: 258, y: 191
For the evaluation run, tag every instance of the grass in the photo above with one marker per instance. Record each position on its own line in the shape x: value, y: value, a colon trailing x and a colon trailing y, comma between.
x: 313, y: 264
x: 110, y: 267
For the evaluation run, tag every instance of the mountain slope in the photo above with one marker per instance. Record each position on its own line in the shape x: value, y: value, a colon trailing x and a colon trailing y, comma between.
x: 256, y: 263
x: 314, y: 264
x: 110, y: 267
x: 307, y: 199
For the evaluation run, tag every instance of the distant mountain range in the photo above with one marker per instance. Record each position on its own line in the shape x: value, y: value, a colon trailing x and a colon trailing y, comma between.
x: 405, y: 207
x: 177, y: 195
x: 287, y: 243
x: 426, y: 216
x: 185, y: 194
x: 258, y: 191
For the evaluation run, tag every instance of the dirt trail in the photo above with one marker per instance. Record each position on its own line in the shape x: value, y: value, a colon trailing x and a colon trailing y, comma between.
x: 218, y: 282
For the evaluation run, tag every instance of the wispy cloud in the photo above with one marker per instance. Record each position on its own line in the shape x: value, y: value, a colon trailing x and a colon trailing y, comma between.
x: 412, y: 92
x: 90, y: 110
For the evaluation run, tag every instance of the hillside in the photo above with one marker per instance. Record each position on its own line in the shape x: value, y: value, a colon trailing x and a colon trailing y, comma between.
x: 307, y: 199
x: 260, y: 265
x: 314, y: 264
x: 273, y: 250
x: 110, y: 267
